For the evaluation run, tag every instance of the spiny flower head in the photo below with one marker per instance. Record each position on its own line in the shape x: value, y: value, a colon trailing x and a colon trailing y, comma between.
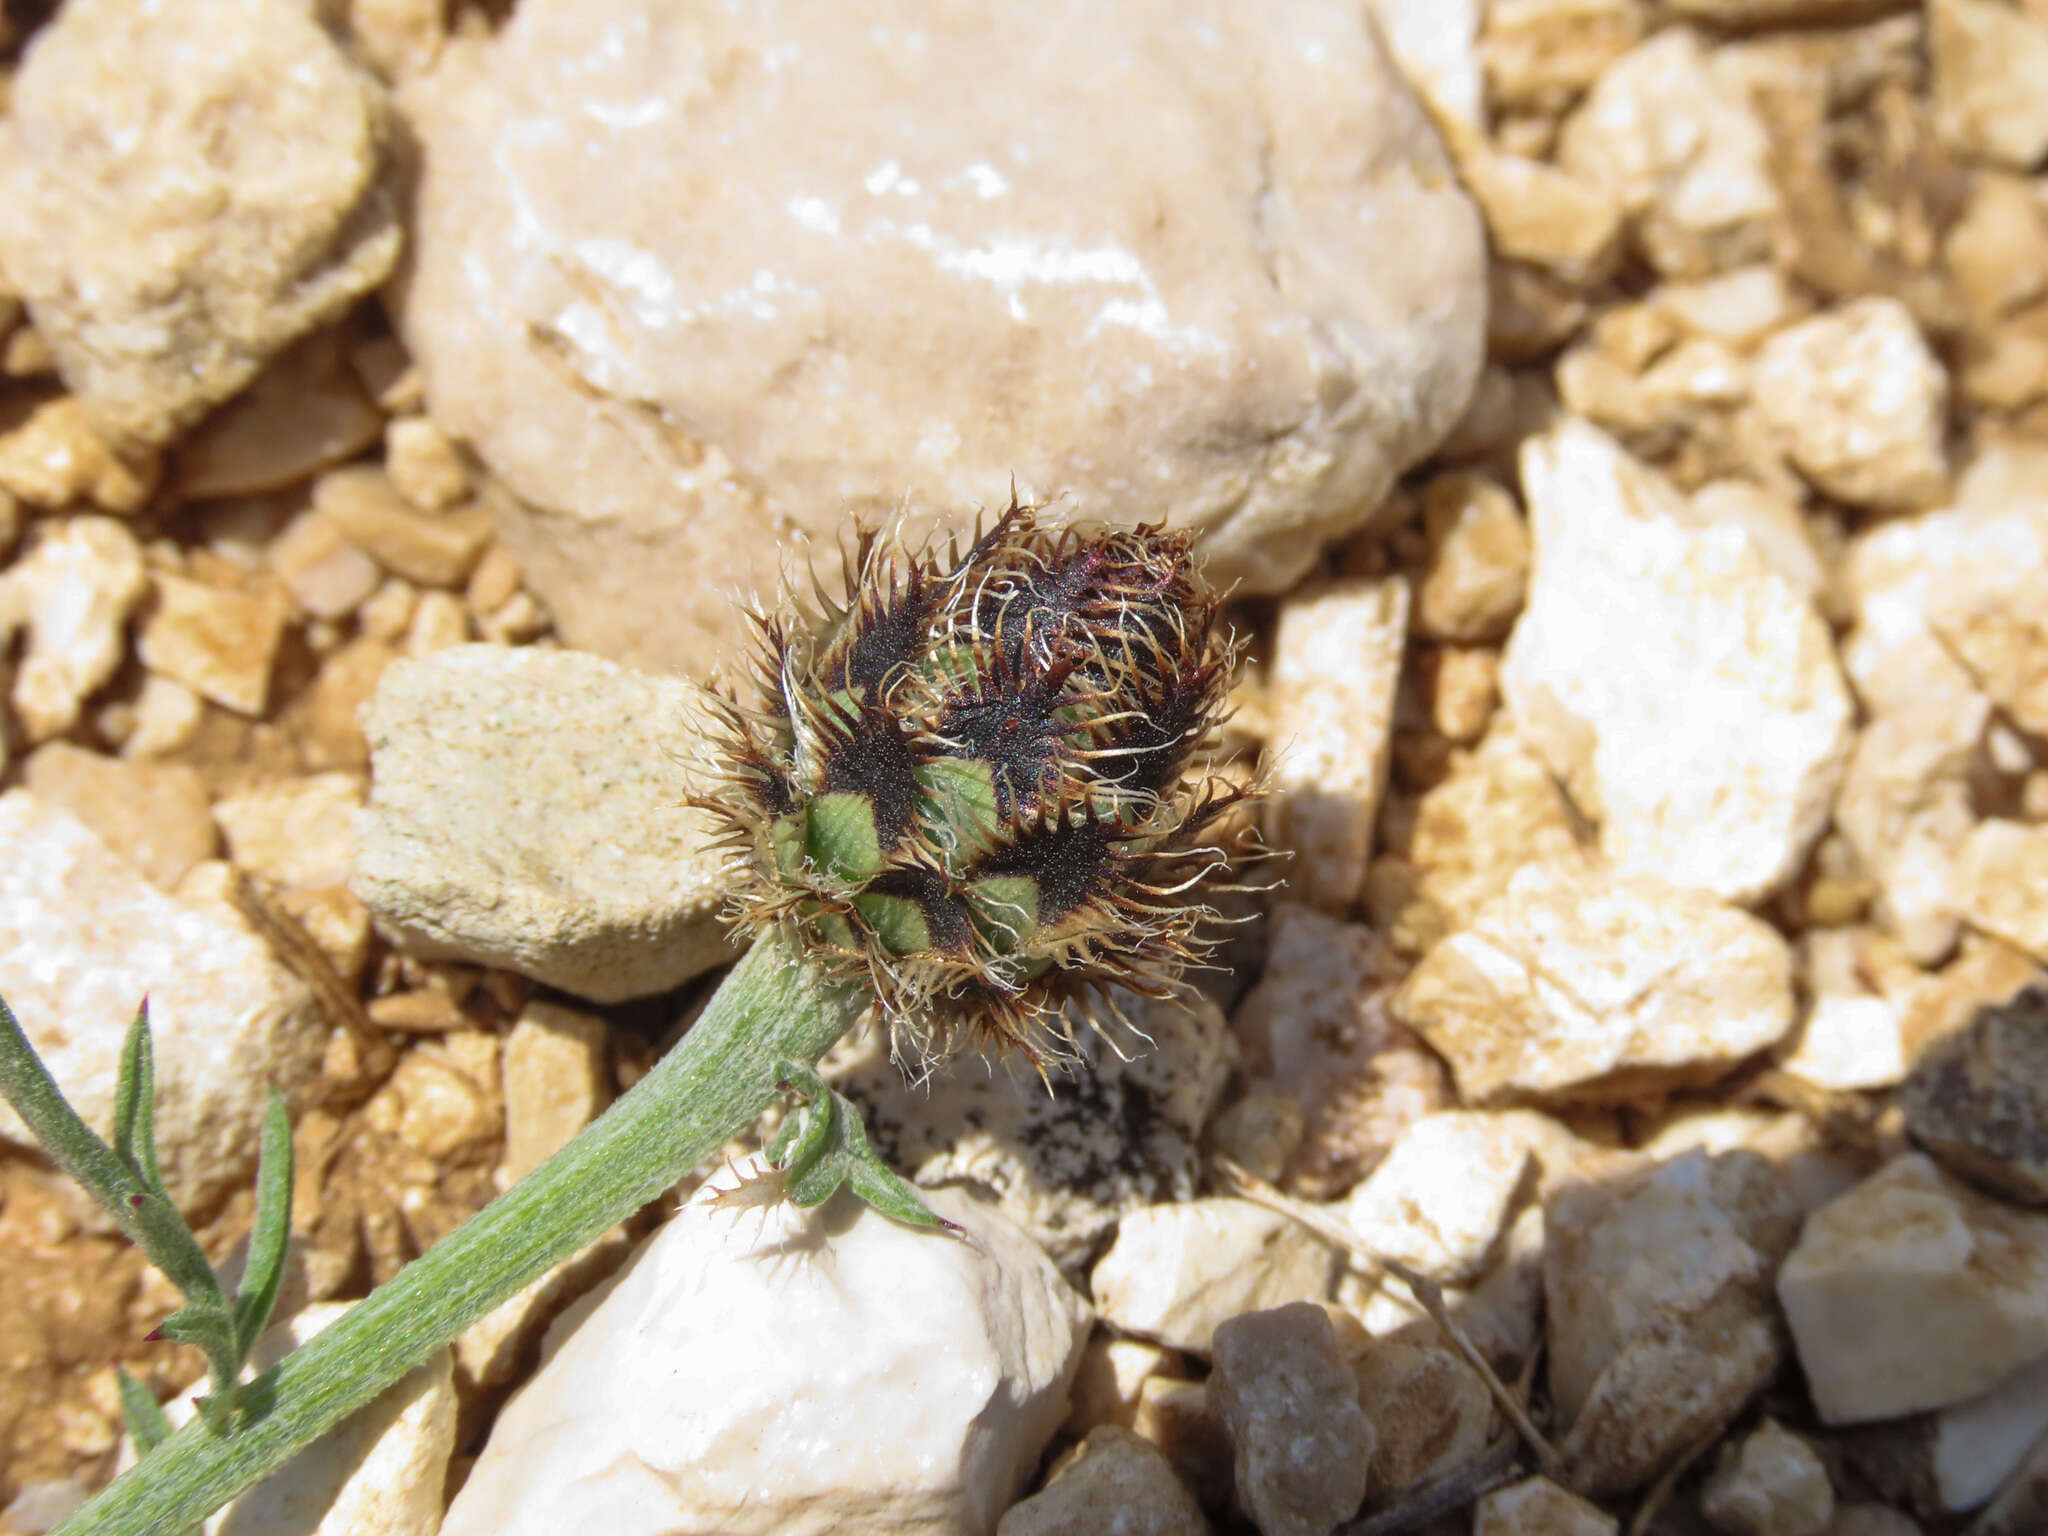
x: 977, y: 780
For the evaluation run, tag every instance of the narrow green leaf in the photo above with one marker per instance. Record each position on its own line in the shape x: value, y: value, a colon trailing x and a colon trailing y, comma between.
x: 144, y: 1415
x: 135, y: 1104
x: 271, y: 1236
x: 212, y: 1330
x: 67, y: 1139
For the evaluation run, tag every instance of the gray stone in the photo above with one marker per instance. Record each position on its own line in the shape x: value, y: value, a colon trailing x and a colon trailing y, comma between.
x: 525, y: 812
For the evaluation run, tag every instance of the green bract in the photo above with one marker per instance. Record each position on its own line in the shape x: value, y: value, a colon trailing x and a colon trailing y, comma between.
x: 969, y: 781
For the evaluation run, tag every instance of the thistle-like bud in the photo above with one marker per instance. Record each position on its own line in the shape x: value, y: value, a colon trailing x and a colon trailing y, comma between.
x: 977, y: 779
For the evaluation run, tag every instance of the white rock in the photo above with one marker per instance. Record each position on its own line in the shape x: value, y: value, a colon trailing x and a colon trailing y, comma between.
x: 1478, y: 569
x: 72, y: 593
x: 1686, y: 693
x: 1318, y: 1027
x: 1860, y: 404
x: 1739, y: 308
x: 1972, y: 1447
x: 294, y: 832
x: 1301, y: 1445
x: 524, y: 812
x: 1674, y: 136
x: 1177, y: 1271
x: 1120, y: 1132
x: 1496, y: 811
x: 1442, y: 1197
x: 1984, y: 600
x: 154, y: 815
x: 1906, y: 808
x: 164, y: 259
x: 588, y: 304
x: 83, y: 938
x: 1661, y: 1323
x: 380, y: 1472
x: 1436, y: 44
x: 1337, y: 653
x: 1772, y: 1484
x: 1852, y: 1036
x: 1538, y: 1507
x: 1110, y: 1380
x: 1585, y: 984
x: 1912, y: 1292
x: 1565, y: 224
x: 2004, y: 881
x: 795, y: 1372
x: 1990, y: 64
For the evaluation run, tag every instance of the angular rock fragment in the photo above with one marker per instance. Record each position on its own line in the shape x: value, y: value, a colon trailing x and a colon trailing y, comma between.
x: 2004, y: 883
x: 1443, y: 1195
x: 525, y: 812
x: 1178, y: 1272
x: 1538, y: 1507
x: 1769, y: 1484
x: 163, y: 256
x: 1301, y: 1444
x: 73, y: 593
x: 1685, y: 692
x: 1586, y: 985
x: 1115, y: 1480
x: 1978, y: 1101
x: 221, y: 644
x: 1429, y: 1411
x: 1913, y: 1291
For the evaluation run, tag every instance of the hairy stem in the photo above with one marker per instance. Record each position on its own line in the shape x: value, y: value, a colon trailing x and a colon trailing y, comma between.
x: 774, y: 1006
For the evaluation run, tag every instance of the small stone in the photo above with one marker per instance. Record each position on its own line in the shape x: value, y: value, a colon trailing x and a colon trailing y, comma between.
x: 1442, y: 1197
x: 1860, y: 404
x: 1478, y: 569
x: 1997, y: 250
x: 380, y: 1472
x: 1318, y: 1027
x: 1115, y: 1481
x: 1118, y: 1132
x: 167, y: 716
x: 520, y: 620
x: 220, y: 644
x: 55, y: 461
x: 423, y: 465
x: 1687, y: 694
x: 439, y: 622
x: 494, y: 582
x: 1989, y: 62
x: 163, y: 259
x: 1658, y: 1280
x: 557, y: 1079
x: 890, y: 1381
x: 1852, y: 1036
x: 1984, y: 603
x: 1568, y: 225
x: 1301, y: 1444
x: 1259, y: 1132
x: 1429, y: 1411
x: 1464, y: 691
x: 304, y: 411
x: 1177, y: 1271
x: 1978, y: 1100
x: 1584, y: 984
x: 348, y: 677
x: 435, y: 1107
x: 73, y: 592
x: 1913, y: 1291
x: 1435, y: 44
x: 1906, y: 809
x: 86, y: 938
x: 501, y: 782
x: 647, y: 465
x: 1671, y: 132
x: 1738, y: 308
x: 1181, y: 1419
x: 154, y: 815
x: 1946, y: 1463
x: 433, y: 550
x: 1541, y: 55
x: 1773, y: 518
x: 1111, y: 1378
x: 1496, y: 811
x: 2004, y: 883
x: 298, y: 833
x: 328, y: 576
x: 1538, y: 1507
x: 387, y: 613
x: 1772, y: 1484
x: 1337, y: 658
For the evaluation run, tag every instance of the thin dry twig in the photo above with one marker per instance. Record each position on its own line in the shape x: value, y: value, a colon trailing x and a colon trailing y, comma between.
x: 1661, y: 1489
x: 1428, y: 1295
x: 1455, y: 1489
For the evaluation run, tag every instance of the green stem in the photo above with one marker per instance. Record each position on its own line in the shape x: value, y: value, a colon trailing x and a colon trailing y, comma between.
x: 773, y: 1006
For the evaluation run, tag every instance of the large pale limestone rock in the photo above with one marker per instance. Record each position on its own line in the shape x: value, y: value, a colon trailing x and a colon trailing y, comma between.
x: 661, y: 259
x: 797, y: 1372
x: 83, y: 937
x: 525, y: 811
x: 1685, y: 691
x: 184, y: 190
x: 1658, y: 1280
x: 1913, y: 1291
x: 1581, y: 984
